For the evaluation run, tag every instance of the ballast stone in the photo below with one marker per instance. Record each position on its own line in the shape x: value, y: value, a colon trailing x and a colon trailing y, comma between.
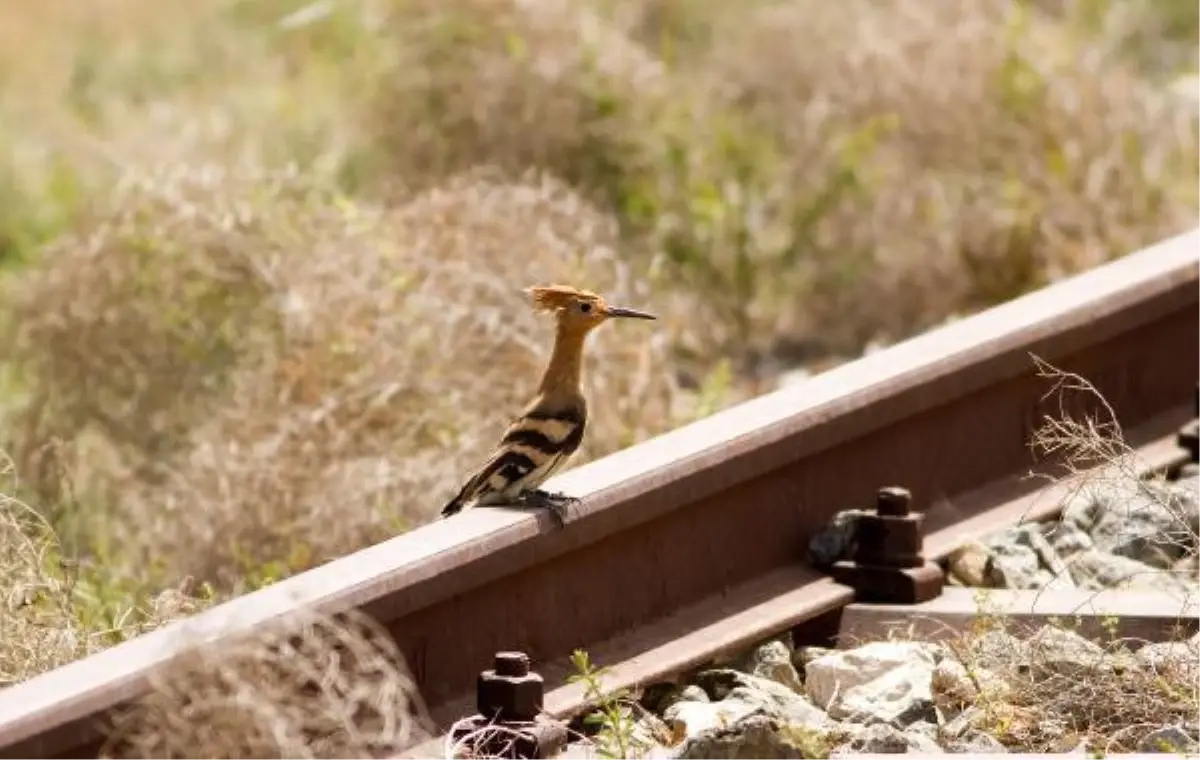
x: 773, y: 661
x: 755, y: 736
x: 775, y: 699
x: 748, y: 716
x: 884, y: 681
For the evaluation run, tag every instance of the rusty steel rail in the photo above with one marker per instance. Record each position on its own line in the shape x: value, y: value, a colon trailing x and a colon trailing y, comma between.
x: 901, y: 592
x: 693, y: 542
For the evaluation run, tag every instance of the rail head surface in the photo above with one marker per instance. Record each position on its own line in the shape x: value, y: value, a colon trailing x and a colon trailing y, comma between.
x: 55, y: 712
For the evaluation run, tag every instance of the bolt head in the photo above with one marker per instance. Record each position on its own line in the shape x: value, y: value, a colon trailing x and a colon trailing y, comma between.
x: 511, y: 664
x: 512, y: 698
x: 890, y: 541
x: 893, y: 501
x: 510, y: 690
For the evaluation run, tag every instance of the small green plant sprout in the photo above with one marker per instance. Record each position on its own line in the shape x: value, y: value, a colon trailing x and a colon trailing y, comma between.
x: 988, y: 615
x: 1111, y: 625
x: 613, y: 716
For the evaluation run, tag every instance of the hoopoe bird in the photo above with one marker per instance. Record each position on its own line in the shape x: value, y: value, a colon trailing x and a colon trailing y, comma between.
x: 551, y: 426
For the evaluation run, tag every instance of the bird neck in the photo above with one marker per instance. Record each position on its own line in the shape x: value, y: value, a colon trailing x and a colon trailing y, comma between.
x: 564, y: 371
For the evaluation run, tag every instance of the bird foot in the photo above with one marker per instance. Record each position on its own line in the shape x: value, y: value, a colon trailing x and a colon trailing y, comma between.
x: 555, y: 502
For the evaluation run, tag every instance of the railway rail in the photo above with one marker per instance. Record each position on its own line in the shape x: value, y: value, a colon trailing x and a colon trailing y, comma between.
x: 693, y: 543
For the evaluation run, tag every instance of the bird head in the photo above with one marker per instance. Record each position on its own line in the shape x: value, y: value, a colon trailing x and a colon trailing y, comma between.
x: 578, y: 309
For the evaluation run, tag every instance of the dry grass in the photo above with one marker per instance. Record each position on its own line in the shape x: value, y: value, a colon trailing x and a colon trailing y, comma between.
x: 55, y: 611
x: 1051, y: 691
x: 313, y: 687
x: 286, y: 390
x: 944, y: 146
x: 1083, y: 436
x: 262, y: 260
x: 1025, y: 693
x: 824, y: 174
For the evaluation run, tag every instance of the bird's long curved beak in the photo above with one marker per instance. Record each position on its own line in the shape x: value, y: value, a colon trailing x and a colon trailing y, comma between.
x: 620, y: 311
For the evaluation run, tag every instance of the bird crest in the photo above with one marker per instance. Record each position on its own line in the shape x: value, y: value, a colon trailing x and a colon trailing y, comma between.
x: 554, y: 297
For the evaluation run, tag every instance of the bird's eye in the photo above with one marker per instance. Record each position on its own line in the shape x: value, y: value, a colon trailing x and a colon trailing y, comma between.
x: 585, y: 307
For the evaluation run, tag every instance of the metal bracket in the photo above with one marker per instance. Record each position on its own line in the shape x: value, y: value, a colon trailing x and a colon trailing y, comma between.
x: 889, y: 564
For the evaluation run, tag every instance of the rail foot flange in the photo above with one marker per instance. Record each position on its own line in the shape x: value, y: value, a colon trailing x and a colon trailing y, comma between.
x: 889, y: 564
x: 510, y: 723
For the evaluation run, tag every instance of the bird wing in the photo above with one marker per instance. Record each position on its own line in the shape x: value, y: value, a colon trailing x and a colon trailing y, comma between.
x: 505, y: 467
x: 533, y: 447
x: 549, y: 430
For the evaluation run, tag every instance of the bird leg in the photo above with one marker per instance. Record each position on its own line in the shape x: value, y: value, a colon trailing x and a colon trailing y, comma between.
x: 554, y: 501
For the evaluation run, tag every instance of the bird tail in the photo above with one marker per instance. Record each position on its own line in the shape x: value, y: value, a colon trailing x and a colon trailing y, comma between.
x: 455, y: 505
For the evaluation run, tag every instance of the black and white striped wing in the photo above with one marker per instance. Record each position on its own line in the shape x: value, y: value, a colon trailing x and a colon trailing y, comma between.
x: 533, y: 448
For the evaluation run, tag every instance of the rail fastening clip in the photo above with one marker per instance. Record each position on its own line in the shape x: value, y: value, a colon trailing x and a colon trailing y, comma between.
x: 889, y: 564
x: 510, y: 722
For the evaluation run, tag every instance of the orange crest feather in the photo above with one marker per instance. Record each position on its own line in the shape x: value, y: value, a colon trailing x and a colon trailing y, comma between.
x: 555, y: 297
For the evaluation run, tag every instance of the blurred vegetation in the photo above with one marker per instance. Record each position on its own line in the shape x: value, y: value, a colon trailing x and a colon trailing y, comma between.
x: 260, y: 258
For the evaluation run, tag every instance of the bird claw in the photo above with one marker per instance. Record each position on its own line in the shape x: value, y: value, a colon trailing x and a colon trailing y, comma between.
x: 554, y: 502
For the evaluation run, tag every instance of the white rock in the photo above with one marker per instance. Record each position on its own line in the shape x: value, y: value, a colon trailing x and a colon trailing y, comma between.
x: 806, y: 654
x: 1171, y: 739
x: 887, y: 681
x: 1177, y: 660
x: 649, y: 731
x: 1023, y: 558
x: 881, y: 738
x: 976, y: 742
x: 1068, y: 539
x: 970, y: 563
x: 899, y: 697
x: 1084, y: 507
x: 1058, y: 651
x: 923, y: 739
x: 792, y: 708
x: 773, y: 661
x: 775, y: 700
x: 1148, y: 522
x: 687, y: 719
x: 1014, y: 565
x: 877, y: 739
x: 999, y: 650
x: 1096, y: 569
x: 754, y: 736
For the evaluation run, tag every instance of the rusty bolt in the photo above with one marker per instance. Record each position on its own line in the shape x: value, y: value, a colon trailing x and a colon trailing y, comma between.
x: 892, y: 536
x: 893, y: 501
x: 889, y: 564
x: 511, y: 664
x: 510, y: 723
x: 509, y: 691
